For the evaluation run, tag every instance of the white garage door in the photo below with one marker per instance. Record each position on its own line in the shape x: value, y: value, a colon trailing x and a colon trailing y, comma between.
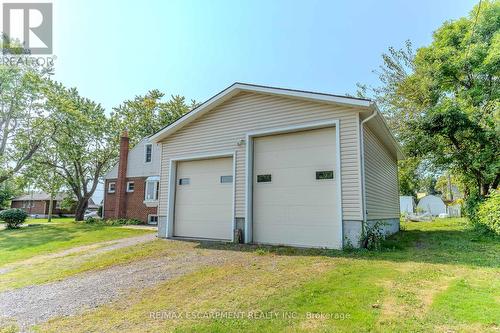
x: 294, y: 190
x: 204, y: 199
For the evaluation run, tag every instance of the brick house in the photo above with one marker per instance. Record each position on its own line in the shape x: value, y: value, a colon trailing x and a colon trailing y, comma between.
x: 38, y: 204
x: 132, y: 185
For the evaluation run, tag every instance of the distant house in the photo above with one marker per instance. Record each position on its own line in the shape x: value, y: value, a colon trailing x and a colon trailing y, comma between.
x: 406, y: 204
x: 38, y: 204
x: 132, y: 185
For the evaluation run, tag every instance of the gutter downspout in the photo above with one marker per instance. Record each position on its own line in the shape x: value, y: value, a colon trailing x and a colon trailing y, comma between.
x: 362, y: 144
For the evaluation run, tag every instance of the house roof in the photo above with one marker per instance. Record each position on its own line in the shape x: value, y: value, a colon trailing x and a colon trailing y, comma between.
x: 365, y: 105
x: 40, y: 196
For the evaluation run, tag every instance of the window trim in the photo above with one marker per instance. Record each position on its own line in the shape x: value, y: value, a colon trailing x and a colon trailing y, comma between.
x: 109, y: 187
x: 146, y: 153
x: 155, y: 190
x: 128, y: 187
x: 149, y: 219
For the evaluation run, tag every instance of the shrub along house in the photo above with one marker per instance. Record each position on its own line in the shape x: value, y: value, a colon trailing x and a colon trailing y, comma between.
x: 278, y: 166
x: 131, y: 186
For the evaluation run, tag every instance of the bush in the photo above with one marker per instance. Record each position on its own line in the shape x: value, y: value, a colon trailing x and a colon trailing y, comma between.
x: 471, y: 205
x: 13, y: 217
x: 373, y: 236
x: 488, y: 213
x: 92, y: 220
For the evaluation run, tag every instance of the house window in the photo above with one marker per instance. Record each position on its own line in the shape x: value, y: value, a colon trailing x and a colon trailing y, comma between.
x: 58, y: 204
x: 321, y: 175
x: 152, y: 219
x: 148, y: 153
x: 264, y: 178
x: 28, y: 204
x: 130, y: 186
x: 184, y: 181
x: 226, y: 179
x: 151, y: 192
x: 112, y: 187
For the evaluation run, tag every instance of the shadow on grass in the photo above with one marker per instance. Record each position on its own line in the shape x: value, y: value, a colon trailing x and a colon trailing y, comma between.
x: 456, y: 247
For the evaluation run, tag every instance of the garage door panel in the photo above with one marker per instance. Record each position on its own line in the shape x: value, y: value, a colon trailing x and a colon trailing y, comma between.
x: 311, y: 139
x: 293, y: 196
x: 204, y: 205
x: 309, y: 157
x: 294, y: 176
x: 204, y: 196
x: 202, y: 212
x: 295, y: 235
x: 200, y: 229
x: 295, y: 208
x: 294, y: 216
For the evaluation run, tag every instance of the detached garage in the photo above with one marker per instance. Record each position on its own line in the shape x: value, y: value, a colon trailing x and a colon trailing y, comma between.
x: 279, y: 166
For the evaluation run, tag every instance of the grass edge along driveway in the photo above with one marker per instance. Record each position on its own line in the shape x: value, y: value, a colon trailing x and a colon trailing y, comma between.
x: 436, y: 276
x: 33, y: 240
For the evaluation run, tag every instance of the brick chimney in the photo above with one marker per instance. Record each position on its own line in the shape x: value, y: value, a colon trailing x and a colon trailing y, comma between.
x: 121, y: 182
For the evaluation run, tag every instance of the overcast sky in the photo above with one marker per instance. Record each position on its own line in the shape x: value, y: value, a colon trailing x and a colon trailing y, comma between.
x: 114, y: 50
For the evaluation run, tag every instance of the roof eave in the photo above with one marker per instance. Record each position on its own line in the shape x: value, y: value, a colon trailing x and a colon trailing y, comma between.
x: 239, y: 87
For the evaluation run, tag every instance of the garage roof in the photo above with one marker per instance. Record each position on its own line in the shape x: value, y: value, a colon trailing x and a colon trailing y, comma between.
x: 359, y: 103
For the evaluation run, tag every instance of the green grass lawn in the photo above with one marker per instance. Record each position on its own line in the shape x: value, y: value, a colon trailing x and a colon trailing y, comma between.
x: 431, y: 277
x: 44, y: 238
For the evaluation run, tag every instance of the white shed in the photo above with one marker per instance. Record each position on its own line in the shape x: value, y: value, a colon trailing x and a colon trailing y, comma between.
x: 406, y: 204
x: 432, y: 204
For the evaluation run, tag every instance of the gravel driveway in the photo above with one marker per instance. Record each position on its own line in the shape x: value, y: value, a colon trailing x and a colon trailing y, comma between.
x: 39, y: 303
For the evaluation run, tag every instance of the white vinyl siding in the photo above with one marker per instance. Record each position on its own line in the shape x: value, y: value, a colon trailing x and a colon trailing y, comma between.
x: 222, y: 128
x: 381, y: 179
x: 137, y: 165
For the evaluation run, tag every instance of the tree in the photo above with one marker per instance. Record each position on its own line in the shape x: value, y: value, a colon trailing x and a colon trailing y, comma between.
x: 8, y: 190
x: 84, y: 143
x: 46, y: 178
x: 409, y: 178
x: 22, y: 115
x: 145, y: 115
x: 443, y: 100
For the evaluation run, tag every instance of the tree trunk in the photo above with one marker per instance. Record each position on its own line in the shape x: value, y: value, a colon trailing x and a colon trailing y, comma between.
x: 81, y: 207
x: 51, y: 207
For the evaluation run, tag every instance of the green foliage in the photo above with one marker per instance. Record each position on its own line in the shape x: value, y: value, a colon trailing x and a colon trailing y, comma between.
x: 443, y: 102
x: 68, y: 203
x: 92, y: 220
x: 8, y: 190
x: 408, y: 176
x: 373, y: 236
x: 488, y: 212
x: 471, y: 205
x: 145, y: 115
x: 13, y: 217
x: 84, y: 145
x: 23, y: 111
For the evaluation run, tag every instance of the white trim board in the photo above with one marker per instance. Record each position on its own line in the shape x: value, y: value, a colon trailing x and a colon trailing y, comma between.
x: 235, y: 88
x: 249, y: 170
x: 172, y: 181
